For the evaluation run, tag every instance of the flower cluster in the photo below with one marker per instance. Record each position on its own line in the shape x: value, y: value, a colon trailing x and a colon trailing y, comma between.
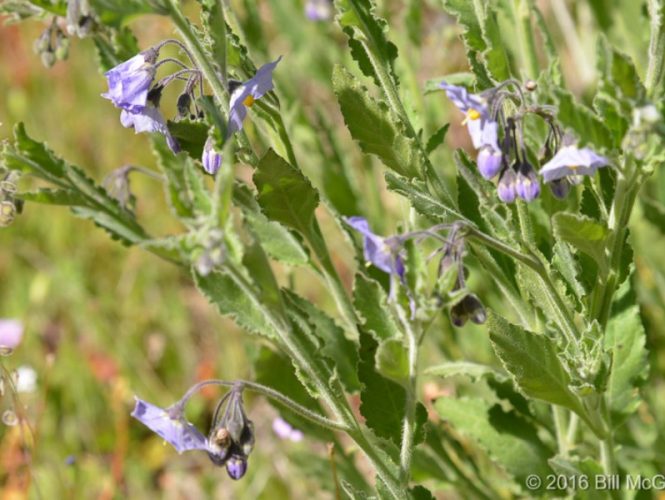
x: 229, y: 441
x: 499, y: 140
x: 133, y: 89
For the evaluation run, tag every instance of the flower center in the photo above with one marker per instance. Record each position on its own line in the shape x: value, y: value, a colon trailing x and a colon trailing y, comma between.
x: 472, y: 114
x: 573, y: 167
x: 249, y: 101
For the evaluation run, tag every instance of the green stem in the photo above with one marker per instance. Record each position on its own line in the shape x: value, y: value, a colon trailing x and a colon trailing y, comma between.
x: 409, y: 421
x: 571, y: 435
x: 332, y: 395
x: 275, y: 396
x: 656, y: 47
x: 559, y: 415
x: 527, y: 43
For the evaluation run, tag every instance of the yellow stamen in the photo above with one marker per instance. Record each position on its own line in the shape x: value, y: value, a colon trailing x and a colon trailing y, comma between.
x: 473, y: 114
x: 573, y: 167
x: 249, y: 101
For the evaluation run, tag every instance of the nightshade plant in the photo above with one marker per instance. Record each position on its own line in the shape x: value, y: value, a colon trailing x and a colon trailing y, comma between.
x: 547, y: 275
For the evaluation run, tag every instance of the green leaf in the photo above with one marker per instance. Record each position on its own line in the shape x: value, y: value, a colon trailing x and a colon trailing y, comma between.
x: 508, y: 439
x: 588, y: 127
x: 584, y: 233
x: 32, y: 157
x: 481, y: 35
x: 367, y: 36
x: 285, y: 194
x: 334, y: 345
x: 533, y: 363
x: 564, y: 261
x: 437, y: 138
x: 191, y: 136
x: 625, y: 339
x: 382, y: 400
x: 232, y: 301
x: 374, y: 126
x: 174, y: 168
x: 277, y: 241
x: 370, y: 301
x: 392, y: 360
x: 54, y: 197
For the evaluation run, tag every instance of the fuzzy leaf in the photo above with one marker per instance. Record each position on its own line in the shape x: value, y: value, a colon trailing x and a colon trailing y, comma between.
x: 374, y: 126
x: 588, y: 127
x: 369, y: 300
x: 533, y: 362
x: 584, y: 233
x: 510, y: 440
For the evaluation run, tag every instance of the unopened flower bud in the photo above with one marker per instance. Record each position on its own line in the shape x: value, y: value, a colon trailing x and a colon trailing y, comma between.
x: 61, y: 45
x: 530, y: 85
x: 559, y: 188
x: 489, y: 161
x: 211, y: 158
x: 526, y: 183
x: 7, y: 213
x: 43, y: 43
x: 236, y: 467
x: 48, y: 58
x: 183, y: 105
x: 506, y: 186
x: 474, y: 309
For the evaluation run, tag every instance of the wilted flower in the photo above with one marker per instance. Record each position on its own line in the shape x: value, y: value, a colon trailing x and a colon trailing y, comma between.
x: 211, y: 158
x: 171, y: 425
x: 245, y: 94
x: 11, y: 333
x: 384, y: 253
x: 319, y: 10
x: 572, y: 161
x: 469, y: 308
x: 284, y: 430
x: 130, y: 81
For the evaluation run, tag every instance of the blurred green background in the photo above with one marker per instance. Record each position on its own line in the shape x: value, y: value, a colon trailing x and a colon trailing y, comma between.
x: 104, y: 322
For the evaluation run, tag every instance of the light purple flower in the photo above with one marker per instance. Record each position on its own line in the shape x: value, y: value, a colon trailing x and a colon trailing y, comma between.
x: 244, y: 96
x: 319, y: 10
x: 284, y: 430
x: 149, y: 119
x: 211, y: 158
x: 129, y: 82
x: 11, y: 333
x: 477, y: 114
x: 171, y: 425
x: 489, y: 162
x: 572, y: 161
x: 384, y: 253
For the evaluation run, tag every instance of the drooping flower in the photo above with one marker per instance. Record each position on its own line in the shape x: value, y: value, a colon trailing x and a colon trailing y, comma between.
x: 482, y: 128
x: 384, y: 253
x: 284, y: 430
x: 246, y: 93
x: 130, y: 81
x: 149, y: 119
x: 469, y: 308
x: 319, y: 10
x: 171, y: 425
x: 572, y: 161
x: 11, y: 333
x: 211, y: 158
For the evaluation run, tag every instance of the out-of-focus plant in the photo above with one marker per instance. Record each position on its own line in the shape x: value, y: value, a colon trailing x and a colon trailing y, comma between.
x: 561, y: 312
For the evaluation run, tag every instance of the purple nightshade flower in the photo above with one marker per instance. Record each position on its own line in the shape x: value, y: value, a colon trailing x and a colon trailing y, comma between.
x: 171, y: 425
x: 245, y: 94
x: 489, y: 161
x: 129, y: 82
x: 384, y: 253
x: 319, y: 10
x: 526, y: 183
x: 476, y: 110
x: 211, y: 158
x: 572, y: 161
x: 284, y: 430
x: 11, y: 333
x: 506, y: 186
x: 149, y: 119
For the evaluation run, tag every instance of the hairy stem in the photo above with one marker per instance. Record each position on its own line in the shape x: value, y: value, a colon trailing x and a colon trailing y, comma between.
x: 655, y: 68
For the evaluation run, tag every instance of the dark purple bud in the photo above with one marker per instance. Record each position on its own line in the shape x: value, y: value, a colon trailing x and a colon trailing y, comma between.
x: 526, y: 183
x: 506, y: 187
x: 236, y: 467
x: 183, y: 105
x: 489, y: 162
x: 560, y: 188
x: 474, y: 309
x: 458, y: 314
